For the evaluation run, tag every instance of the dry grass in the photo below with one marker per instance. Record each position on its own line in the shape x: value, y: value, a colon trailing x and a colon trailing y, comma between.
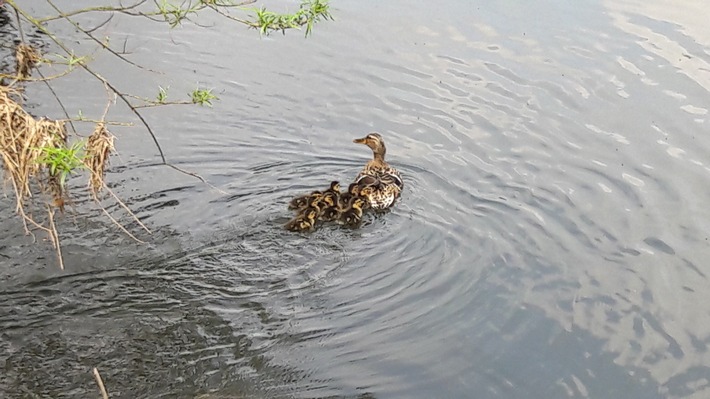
x: 98, y: 149
x: 21, y: 140
x: 26, y: 58
x: 36, y: 158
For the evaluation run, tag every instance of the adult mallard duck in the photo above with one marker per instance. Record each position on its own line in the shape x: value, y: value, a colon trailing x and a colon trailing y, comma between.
x: 385, y: 181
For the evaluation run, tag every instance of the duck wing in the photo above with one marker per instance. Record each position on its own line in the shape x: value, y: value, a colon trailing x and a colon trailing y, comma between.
x: 377, y: 178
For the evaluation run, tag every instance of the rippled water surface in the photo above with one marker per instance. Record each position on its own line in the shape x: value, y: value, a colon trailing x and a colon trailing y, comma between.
x: 550, y: 242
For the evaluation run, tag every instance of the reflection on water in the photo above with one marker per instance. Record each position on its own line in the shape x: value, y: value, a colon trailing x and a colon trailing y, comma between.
x: 548, y: 244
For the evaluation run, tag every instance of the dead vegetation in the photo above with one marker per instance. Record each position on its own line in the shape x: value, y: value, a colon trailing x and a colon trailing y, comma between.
x: 26, y: 58
x: 98, y: 149
x: 37, y: 157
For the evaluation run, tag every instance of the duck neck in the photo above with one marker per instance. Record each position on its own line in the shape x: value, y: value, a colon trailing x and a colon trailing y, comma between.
x: 379, y: 153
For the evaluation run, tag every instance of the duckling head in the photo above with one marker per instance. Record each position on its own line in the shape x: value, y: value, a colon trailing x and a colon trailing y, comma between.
x: 335, y: 186
x: 329, y: 200
x: 358, y: 203
x: 365, y: 191
x: 314, y: 201
x: 311, y: 214
x: 354, y: 189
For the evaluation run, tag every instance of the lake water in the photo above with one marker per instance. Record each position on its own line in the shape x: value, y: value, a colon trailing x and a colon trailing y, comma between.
x: 550, y: 242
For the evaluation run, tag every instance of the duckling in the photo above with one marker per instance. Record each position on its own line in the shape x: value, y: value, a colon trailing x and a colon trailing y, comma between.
x: 353, y: 191
x: 352, y: 215
x: 365, y: 193
x: 330, y: 213
x: 329, y: 208
x: 301, y: 202
x: 305, y: 221
x: 315, y: 202
x: 332, y: 194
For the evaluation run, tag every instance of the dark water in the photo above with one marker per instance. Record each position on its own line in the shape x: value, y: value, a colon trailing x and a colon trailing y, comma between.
x: 551, y: 241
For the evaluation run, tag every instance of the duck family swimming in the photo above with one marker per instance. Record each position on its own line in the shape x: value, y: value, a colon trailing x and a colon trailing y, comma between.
x: 377, y: 187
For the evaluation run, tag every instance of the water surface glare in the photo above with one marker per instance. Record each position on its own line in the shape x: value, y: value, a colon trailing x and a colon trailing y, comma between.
x: 549, y: 242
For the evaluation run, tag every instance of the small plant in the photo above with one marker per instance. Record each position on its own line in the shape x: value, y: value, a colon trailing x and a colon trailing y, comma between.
x: 62, y: 161
x: 73, y: 60
x: 162, y: 94
x: 174, y: 15
x: 317, y: 10
x: 203, y: 97
x: 310, y: 12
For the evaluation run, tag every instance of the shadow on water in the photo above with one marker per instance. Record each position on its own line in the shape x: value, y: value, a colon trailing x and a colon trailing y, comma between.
x: 197, y: 321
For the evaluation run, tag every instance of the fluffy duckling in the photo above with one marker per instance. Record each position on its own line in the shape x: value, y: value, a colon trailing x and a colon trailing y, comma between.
x: 365, y: 193
x: 315, y: 202
x: 305, y: 221
x: 330, y: 213
x: 353, y: 191
x: 352, y: 215
x: 332, y: 194
x: 328, y: 202
x: 301, y: 202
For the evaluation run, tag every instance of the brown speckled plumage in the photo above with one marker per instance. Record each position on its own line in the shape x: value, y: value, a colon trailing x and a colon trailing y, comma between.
x: 381, y: 183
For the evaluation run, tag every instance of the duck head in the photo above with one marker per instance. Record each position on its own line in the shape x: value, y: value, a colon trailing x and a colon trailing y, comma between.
x: 375, y: 142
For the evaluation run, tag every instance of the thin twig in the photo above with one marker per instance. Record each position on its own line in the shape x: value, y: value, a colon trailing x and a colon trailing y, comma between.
x: 17, y: 78
x: 56, y: 97
x: 92, y: 37
x: 120, y: 226
x: 101, y: 25
x: 243, y: 3
x: 93, y: 9
x: 153, y: 103
x: 55, y: 236
x: 108, y: 103
x: 100, y: 383
x: 202, y: 179
x: 224, y: 14
x: 19, y: 25
x: 98, y: 77
x: 127, y: 209
x: 109, y: 123
x: 112, y: 99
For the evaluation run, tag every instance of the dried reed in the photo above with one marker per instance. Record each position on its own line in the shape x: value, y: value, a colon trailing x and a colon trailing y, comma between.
x: 26, y: 58
x: 100, y: 383
x: 21, y: 140
x: 98, y: 149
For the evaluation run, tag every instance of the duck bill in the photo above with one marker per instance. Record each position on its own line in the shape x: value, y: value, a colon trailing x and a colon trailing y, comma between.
x: 360, y: 141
